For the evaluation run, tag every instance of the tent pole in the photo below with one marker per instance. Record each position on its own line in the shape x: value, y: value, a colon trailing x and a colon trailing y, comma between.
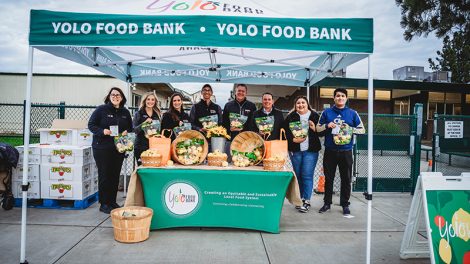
x: 370, y: 121
x: 129, y: 92
x: 26, y: 156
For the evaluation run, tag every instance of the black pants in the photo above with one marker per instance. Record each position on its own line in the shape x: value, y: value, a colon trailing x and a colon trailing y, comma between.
x: 109, y: 163
x: 342, y: 159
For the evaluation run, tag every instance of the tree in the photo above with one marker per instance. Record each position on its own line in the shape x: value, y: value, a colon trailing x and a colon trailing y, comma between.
x: 454, y: 57
x: 450, y: 20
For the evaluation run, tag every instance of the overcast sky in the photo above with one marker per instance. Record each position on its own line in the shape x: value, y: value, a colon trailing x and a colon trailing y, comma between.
x: 390, y: 50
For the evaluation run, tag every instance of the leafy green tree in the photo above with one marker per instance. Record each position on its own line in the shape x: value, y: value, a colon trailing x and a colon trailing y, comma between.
x: 455, y: 57
x: 449, y: 20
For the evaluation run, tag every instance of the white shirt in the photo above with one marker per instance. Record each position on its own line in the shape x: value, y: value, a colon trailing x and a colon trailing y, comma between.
x: 304, y: 119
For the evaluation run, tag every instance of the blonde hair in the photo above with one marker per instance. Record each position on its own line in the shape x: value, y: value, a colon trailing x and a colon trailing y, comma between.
x: 155, y: 107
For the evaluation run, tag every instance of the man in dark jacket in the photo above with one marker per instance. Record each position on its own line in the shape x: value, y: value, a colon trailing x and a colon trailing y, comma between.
x: 239, y: 106
x: 269, y: 110
x: 204, y: 108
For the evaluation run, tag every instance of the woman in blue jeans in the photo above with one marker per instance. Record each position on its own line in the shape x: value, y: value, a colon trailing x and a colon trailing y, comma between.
x: 303, y: 145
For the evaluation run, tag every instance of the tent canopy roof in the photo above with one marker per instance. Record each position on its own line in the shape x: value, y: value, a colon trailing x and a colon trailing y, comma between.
x: 252, y: 49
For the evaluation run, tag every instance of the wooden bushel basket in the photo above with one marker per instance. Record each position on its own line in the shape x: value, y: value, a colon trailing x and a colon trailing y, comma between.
x: 155, y: 161
x: 216, y: 161
x: 189, y: 134
x: 131, y: 229
x: 273, y: 165
x: 247, y: 141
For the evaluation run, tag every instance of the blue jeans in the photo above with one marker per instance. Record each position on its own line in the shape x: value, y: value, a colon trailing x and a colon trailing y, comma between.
x: 304, y: 163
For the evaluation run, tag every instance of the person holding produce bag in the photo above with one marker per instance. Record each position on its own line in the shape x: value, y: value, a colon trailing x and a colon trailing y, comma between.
x: 268, y: 120
x: 205, y: 114
x: 175, y: 118
x: 107, y: 122
x: 146, y: 123
x: 303, y: 144
x: 340, y: 123
x: 238, y: 113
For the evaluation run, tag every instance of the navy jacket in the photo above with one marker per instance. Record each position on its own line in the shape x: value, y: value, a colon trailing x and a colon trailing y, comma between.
x: 245, y: 108
x: 278, y: 122
x: 102, y: 118
x: 169, y: 123
x: 141, y: 142
x: 335, y: 115
x: 201, y: 109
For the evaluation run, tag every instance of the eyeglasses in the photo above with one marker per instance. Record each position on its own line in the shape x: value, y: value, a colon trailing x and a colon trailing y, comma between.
x: 115, y: 95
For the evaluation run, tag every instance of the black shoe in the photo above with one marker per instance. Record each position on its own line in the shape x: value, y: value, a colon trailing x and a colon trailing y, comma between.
x: 307, y: 204
x: 114, y: 205
x: 303, y: 209
x: 346, y: 210
x: 298, y: 206
x: 325, y: 208
x: 105, y: 208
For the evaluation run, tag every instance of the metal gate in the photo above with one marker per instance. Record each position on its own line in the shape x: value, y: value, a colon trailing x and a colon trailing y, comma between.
x: 451, y: 144
x: 396, y: 153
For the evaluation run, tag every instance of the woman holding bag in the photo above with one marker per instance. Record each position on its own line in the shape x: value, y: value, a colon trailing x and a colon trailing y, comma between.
x: 303, y: 145
x: 148, y: 112
x: 105, y: 122
x: 175, y: 116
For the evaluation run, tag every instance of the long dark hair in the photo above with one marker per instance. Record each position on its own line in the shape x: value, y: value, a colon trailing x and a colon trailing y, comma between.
x: 172, y: 110
x: 107, y: 99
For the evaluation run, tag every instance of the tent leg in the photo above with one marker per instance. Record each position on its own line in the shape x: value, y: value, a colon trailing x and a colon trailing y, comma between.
x: 370, y: 121
x: 25, y: 184
x: 308, y: 93
x: 129, y: 92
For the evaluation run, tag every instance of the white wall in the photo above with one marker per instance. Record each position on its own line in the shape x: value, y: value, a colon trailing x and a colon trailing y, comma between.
x: 52, y: 89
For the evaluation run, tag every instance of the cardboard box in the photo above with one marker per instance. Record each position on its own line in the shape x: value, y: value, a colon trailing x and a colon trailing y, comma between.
x: 34, y: 191
x: 53, y: 154
x: 94, y: 169
x: 65, y: 172
x: 34, y: 156
x: 33, y: 173
x: 66, y: 132
x: 94, y: 184
x: 66, y: 190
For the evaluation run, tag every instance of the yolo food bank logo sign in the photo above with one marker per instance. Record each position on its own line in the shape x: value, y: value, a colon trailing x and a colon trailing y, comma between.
x: 181, y: 198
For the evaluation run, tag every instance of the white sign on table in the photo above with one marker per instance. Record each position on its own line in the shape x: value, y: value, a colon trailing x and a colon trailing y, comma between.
x: 453, y: 129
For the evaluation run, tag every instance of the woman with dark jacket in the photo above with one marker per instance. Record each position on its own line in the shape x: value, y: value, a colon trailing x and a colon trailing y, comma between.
x: 303, y: 147
x: 175, y: 116
x: 112, y: 116
x: 148, y: 111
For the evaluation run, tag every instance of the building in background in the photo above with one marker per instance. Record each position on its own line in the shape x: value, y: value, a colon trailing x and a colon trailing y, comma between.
x: 79, y: 89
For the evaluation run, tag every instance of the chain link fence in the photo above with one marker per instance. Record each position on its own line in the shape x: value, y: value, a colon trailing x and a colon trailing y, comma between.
x: 42, y: 116
x: 451, y: 144
x: 393, y: 160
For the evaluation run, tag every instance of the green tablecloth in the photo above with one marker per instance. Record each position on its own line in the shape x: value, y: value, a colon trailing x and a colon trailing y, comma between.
x: 250, y: 199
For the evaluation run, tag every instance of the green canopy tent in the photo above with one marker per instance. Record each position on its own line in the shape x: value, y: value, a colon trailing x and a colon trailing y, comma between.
x: 211, y: 42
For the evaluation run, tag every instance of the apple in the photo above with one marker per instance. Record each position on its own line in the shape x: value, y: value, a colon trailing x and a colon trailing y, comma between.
x: 61, y: 173
x: 57, y: 135
x: 61, y: 190
x: 62, y: 156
